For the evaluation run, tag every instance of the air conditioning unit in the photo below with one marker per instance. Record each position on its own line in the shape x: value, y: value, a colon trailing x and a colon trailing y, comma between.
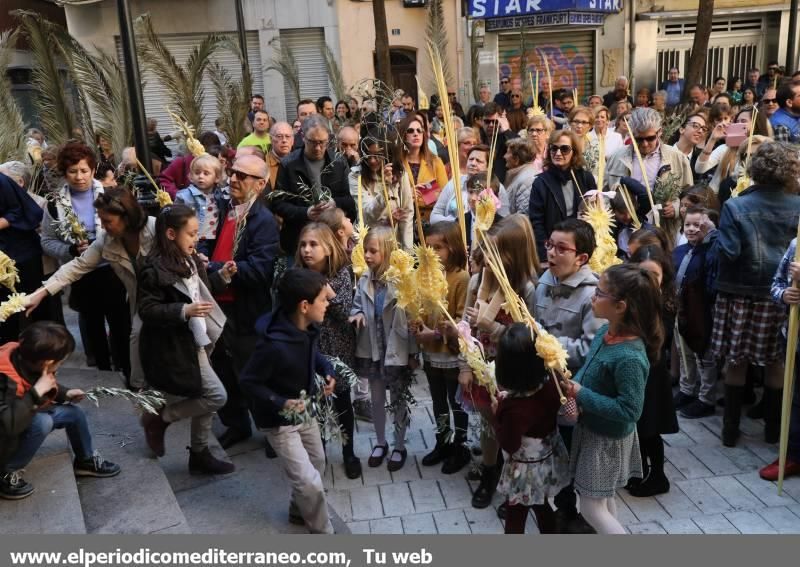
x: 415, y: 3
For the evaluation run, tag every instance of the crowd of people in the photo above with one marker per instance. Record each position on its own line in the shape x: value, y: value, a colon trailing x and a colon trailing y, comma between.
x: 246, y: 297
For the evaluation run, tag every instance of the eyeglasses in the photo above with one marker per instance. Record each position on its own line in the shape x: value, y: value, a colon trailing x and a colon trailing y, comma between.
x: 317, y: 143
x: 581, y: 122
x: 558, y: 247
x: 697, y: 126
x: 565, y: 149
x: 487, y: 121
x: 648, y: 139
x: 536, y: 130
x: 503, y: 81
x: 600, y: 294
x: 241, y: 174
x: 414, y: 131
x: 769, y: 100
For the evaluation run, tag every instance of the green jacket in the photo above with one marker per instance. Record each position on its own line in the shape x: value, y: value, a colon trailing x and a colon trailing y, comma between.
x: 613, y: 380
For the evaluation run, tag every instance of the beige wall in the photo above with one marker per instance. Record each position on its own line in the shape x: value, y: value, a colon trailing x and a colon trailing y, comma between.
x: 681, y: 5
x: 357, y: 38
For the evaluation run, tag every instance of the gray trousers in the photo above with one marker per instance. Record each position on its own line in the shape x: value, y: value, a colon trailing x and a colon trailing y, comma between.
x: 303, y: 457
x: 700, y: 378
x: 200, y: 410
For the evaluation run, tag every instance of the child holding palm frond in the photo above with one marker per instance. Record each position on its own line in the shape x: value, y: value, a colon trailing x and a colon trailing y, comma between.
x: 438, y: 341
x: 384, y: 350
x: 515, y: 243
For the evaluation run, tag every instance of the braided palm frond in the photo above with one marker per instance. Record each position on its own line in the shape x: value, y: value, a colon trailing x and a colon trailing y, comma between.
x: 52, y: 101
x: 12, y: 143
x: 334, y: 73
x: 284, y: 63
x: 436, y: 36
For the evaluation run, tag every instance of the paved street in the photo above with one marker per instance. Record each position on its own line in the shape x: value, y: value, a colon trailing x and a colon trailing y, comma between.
x: 715, y: 489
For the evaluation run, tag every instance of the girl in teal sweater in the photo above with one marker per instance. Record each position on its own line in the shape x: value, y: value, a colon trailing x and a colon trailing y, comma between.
x: 609, y: 391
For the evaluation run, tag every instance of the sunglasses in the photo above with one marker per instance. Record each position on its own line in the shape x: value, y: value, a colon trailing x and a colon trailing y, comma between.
x: 564, y: 149
x: 241, y: 174
x: 504, y: 81
x: 516, y: 96
x: 415, y: 131
x: 560, y: 249
x: 648, y: 139
x: 769, y: 100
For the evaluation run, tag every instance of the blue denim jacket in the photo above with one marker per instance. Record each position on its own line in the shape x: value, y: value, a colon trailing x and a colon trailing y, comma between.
x: 754, y: 231
x: 195, y: 198
x: 783, y: 280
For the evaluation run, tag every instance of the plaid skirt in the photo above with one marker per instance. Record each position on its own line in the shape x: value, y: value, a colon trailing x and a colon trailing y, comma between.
x: 747, y: 330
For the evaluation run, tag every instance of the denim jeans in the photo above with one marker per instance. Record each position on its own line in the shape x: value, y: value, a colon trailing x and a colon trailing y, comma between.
x: 65, y: 416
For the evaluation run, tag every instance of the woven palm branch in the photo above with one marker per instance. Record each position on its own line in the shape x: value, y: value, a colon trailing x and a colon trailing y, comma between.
x: 284, y: 63
x: 183, y: 84
x: 436, y: 36
x: 334, y: 73
x: 12, y: 143
x: 52, y: 101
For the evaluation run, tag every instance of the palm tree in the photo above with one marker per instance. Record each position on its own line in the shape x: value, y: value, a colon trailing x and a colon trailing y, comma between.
x: 12, y: 142
x: 233, y: 98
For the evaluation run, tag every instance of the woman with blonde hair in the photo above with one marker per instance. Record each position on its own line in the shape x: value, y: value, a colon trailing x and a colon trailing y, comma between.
x: 612, y: 141
x: 538, y: 132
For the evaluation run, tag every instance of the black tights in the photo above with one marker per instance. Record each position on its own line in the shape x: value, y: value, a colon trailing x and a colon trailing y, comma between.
x: 516, y: 514
x: 344, y: 410
x: 443, y: 383
x: 652, y: 450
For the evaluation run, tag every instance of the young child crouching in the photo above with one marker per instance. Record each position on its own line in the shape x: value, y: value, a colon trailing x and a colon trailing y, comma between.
x: 33, y: 404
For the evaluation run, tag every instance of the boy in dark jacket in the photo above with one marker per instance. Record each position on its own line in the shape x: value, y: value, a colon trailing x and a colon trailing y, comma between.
x: 280, y: 380
x: 695, y: 263
x: 32, y: 404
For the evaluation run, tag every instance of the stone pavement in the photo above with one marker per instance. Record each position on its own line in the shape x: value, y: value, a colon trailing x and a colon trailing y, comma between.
x: 715, y: 489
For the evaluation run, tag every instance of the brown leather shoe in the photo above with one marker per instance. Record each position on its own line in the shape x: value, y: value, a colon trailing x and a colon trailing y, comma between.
x: 206, y: 463
x: 154, y: 428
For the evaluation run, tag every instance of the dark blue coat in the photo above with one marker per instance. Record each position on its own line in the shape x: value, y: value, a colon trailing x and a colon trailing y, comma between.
x: 20, y: 241
x: 255, y: 262
x: 696, y: 293
x: 284, y: 362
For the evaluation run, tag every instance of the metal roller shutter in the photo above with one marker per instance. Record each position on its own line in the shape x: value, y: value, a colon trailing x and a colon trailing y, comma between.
x: 569, y: 54
x: 181, y: 46
x: 307, y: 47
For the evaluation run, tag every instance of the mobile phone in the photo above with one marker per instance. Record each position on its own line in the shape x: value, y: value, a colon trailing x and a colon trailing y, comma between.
x: 736, y: 134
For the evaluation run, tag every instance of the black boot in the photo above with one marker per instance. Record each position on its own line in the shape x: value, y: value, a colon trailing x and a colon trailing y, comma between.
x: 756, y: 411
x: 486, y: 489
x: 732, y: 415
x: 772, y: 414
x: 439, y: 452
x: 203, y: 462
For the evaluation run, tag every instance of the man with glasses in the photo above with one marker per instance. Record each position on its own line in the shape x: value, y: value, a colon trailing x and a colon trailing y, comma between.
x: 310, y: 180
x: 769, y: 102
x: 503, y: 98
x: 494, y: 119
x: 786, y: 120
x: 659, y: 159
x: 754, y: 82
x: 770, y: 80
x: 253, y: 246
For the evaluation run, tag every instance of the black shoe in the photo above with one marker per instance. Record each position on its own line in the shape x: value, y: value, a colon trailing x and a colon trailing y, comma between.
x: 652, y: 485
x: 232, y: 436
x: 483, y: 495
x: 579, y: 525
x: 458, y: 458
x: 95, y: 466
x: 206, y: 463
x: 352, y: 467
x: 269, y: 452
x: 501, y: 511
x: 680, y: 400
x: 697, y: 409
x: 296, y: 519
x: 154, y: 429
x: 395, y: 465
x: 14, y: 487
x: 439, y: 453
x: 632, y: 482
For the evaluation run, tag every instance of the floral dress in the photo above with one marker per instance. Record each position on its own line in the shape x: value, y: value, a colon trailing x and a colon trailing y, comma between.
x: 337, y: 337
